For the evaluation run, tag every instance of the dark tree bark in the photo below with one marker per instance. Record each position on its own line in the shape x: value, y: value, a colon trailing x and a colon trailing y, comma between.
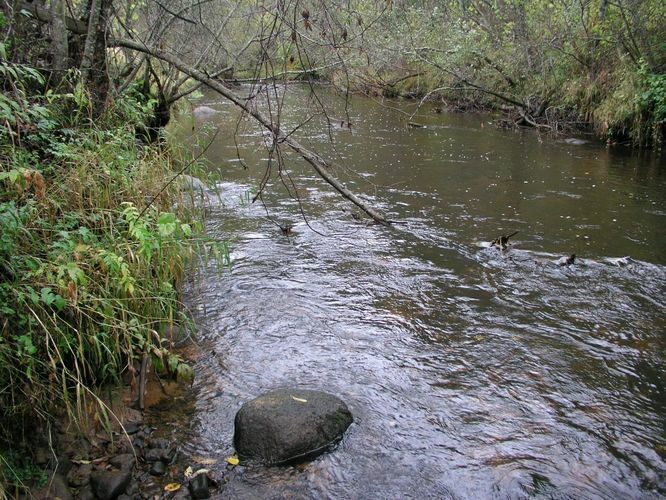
x: 59, y: 42
x: 93, y: 65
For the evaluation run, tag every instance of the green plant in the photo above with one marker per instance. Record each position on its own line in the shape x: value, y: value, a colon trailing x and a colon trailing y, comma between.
x: 89, y: 274
x: 20, y: 472
x: 652, y: 100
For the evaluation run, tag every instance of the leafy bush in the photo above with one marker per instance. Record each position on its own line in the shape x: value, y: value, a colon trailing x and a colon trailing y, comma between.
x: 88, y: 273
x: 652, y: 102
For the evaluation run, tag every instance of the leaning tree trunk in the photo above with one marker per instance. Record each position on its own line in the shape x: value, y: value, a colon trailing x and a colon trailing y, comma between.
x: 321, y: 166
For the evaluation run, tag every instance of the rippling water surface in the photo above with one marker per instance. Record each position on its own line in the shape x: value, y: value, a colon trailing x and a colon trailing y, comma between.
x: 471, y: 373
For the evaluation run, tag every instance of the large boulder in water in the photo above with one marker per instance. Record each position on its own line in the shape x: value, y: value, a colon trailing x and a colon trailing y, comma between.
x: 287, y: 425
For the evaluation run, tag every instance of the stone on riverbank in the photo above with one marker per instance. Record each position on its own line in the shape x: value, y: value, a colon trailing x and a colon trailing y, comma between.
x: 286, y: 425
x: 108, y: 485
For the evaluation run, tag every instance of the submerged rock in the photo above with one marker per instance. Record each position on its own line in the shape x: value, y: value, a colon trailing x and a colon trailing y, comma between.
x: 203, y: 112
x: 191, y: 182
x: 566, y: 261
x: 286, y: 425
x: 621, y: 261
x: 575, y: 141
x: 198, y: 486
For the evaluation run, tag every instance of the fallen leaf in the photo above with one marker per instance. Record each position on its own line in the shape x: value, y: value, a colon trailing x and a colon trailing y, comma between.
x: 188, y: 472
x: 81, y: 462
x: 204, y: 460
x: 172, y: 487
x: 233, y: 460
x: 299, y: 399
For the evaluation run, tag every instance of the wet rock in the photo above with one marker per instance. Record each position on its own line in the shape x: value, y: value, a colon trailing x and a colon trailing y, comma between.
x: 158, y: 468
x: 132, y: 490
x: 159, y: 443
x: 79, y: 476
x: 57, y: 488
x: 194, y: 183
x: 108, y: 485
x: 286, y: 425
x: 132, y: 428
x: 198, y: 486
x: 621, y: 262
x: 138, y: 443
x: 160, y: 454
x: 85, y: 493
x: 124, y: 461
x: 182, y: 494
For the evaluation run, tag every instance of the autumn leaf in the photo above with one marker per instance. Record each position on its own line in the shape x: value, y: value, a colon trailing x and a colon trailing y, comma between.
x: 172, y: 487
x: 233, y: 460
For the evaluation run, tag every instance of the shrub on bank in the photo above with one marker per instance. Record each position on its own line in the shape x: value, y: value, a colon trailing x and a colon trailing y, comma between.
x: 93, y: 247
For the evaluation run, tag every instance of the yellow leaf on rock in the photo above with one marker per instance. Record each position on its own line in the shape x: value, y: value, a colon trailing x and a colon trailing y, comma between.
x: 172, y: 487
x: 233, y: 460
x: 299, y: 399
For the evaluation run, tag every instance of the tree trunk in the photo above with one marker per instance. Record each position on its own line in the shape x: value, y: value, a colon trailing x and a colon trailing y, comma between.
x: 89, y: 48
x: 59, y: 44
x: 321, y: 166
x: 93, y: 62
x: 603, y: 8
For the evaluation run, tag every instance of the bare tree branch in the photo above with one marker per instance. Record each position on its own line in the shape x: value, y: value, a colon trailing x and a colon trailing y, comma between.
x: 320, y: 165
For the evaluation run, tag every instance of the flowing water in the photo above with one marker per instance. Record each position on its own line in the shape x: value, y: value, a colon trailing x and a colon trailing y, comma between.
x: 471, y: 372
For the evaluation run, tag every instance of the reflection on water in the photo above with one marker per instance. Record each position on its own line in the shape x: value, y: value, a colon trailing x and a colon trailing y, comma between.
x: 472, y: 373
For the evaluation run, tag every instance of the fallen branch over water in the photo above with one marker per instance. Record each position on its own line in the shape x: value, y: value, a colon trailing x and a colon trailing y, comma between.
x: 320, y: 165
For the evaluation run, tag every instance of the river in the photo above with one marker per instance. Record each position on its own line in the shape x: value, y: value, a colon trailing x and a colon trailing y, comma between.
x: 471, y: 372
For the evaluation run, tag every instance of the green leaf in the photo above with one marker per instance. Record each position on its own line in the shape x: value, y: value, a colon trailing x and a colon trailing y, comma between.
x: 166, y: 224
x: 184, y: 373
x: 26, y: 345
x: 60, y: 302
x: 47, y: 296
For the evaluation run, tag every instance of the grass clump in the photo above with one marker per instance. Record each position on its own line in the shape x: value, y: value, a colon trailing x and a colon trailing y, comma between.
x: 92, y: 250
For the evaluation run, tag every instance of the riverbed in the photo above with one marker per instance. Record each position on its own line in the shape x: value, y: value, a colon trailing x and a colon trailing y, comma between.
x: 471, y: 372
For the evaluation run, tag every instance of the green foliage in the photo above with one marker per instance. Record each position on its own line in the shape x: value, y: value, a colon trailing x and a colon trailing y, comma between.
x: 595, y: 62
x: 21, y: 472
x: 88, y: 274
x: 653, y: 99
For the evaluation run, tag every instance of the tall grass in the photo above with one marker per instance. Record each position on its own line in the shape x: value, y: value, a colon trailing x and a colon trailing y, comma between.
x: 89, y: 273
